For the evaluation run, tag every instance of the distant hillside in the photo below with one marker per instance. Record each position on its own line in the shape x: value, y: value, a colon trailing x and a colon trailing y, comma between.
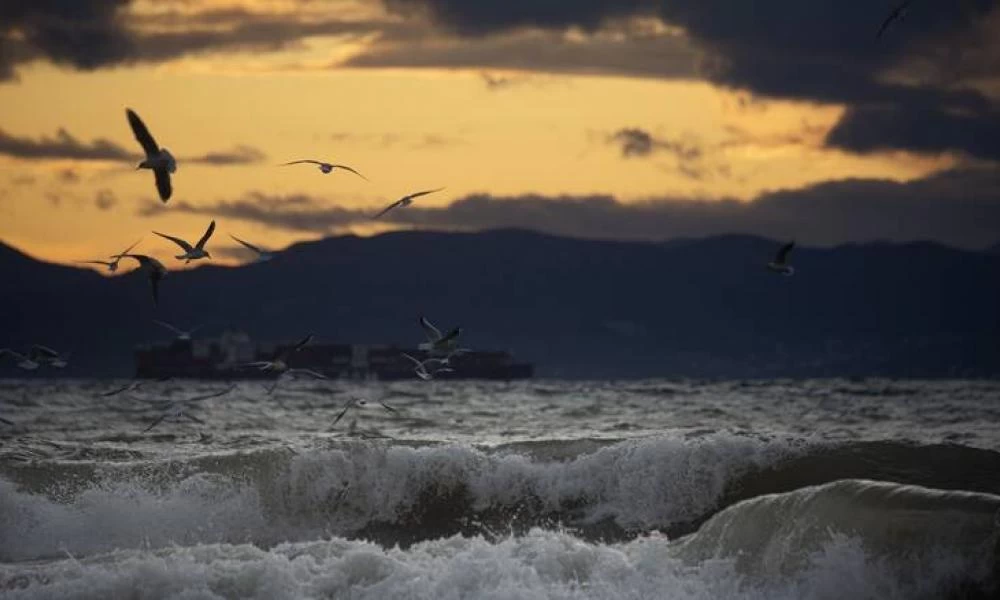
x: 577, y: 308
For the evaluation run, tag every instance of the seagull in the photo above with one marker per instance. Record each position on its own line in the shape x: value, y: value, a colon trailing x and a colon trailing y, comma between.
x: 420, y: 367
x: 23, y: 361
x: 897, y: 14
x: 177, y: 408
x: 112, y: 265
x: 359, y: 403
x: 181, y: 334
x: 294, y: 373
x: 156, y: 272
x: 262, y: 255
x: 779, y: 264
x: 158, y: 159
x: 279, y: 364
x: 192, y: 252
x: 436, y: 342
x: 405, y: 201
x: 44, y: 355
x: 326, y: 167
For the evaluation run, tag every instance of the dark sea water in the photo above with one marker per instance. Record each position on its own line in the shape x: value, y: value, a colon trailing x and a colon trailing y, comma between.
x: 537, y: 489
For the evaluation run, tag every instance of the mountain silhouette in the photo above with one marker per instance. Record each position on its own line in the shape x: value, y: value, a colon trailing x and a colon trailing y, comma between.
x: 576, y: 308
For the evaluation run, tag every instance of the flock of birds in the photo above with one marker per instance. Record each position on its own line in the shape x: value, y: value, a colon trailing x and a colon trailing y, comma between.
x: 440, y: 347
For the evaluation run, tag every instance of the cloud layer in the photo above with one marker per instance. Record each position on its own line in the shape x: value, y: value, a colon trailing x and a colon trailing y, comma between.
x: 959, y: 208
x: 65, y: 146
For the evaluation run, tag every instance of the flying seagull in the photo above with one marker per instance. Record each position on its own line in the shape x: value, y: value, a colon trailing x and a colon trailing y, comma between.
x: 359, y: 403
x: 192, y: 252
x: 156, y: 272
x: 293, y: 374
x: 279, y: 365
x: 112, y: 265
x: 326, y: 167
x: 897, y: 14
x: 23, y: 361
x: 262, y: 255
x: 405, y: 201
x: 420, y: 367
x: 158, y: 159
x: 44, y: 355
x: 438, y: 343
x: 780, y: 262
x: 178, y: 408
x: 180, y: 333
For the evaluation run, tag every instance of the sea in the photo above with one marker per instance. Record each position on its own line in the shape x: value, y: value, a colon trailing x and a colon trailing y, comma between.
x: 535, y: 489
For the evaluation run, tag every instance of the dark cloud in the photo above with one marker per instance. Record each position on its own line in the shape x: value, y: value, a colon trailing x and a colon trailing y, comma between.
x: 88, y: 34
x: 84, y: 34
x: 822, y: 50
x: 68, y: 176
x: 105, y: 199
x: 961, y: 208
x: 612, y: 53
x: 240, y: 155
x: 63, y: 145
x: 690, y: 156
x: 637, y: 142
x: 494, y: 15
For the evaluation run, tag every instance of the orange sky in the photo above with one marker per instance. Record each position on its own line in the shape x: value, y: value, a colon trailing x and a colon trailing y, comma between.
x: 406, y: 129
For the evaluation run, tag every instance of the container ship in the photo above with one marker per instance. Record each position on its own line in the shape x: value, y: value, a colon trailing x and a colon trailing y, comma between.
x: 223, y: 358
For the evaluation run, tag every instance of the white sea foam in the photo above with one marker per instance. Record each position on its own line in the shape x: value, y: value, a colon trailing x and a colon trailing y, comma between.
x: 641, y: 485
x: 541, y: 564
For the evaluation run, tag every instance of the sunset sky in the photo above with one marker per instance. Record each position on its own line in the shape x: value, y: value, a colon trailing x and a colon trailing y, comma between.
x: 626, y: 119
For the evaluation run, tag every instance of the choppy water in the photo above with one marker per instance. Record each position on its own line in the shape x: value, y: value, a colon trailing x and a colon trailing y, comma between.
x: 538, y: 489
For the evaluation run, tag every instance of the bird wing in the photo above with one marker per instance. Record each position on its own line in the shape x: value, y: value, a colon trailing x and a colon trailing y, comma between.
x: 183, y: 244
x: 424, y: 193
x: 40, y: 350
x: 95, y: 262
x: 212, y: 395
x: 169, y: 326
x: 163, y: 183
x: 142, y: 134
x: 309, y: 372
x: 388, y: 208
x: 451, y: 335
x: 433, y: 333
x: 299, y: 162
x: 127, y: 250
x: 156, y: 422
x: 387, y: 407
x: 783, y: 252
x: 346, y: 168
x: 154, y: 282
x: 3, y: 420
x: 340, y: 416
x: 413, y: 360
x: 246, y: 244
x: 116, y: 391
x: 8, y: 351
x: 302, y: 344
x: 208, y: 233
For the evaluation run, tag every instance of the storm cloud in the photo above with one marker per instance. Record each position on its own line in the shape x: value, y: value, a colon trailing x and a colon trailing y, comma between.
x: 823, y: 50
